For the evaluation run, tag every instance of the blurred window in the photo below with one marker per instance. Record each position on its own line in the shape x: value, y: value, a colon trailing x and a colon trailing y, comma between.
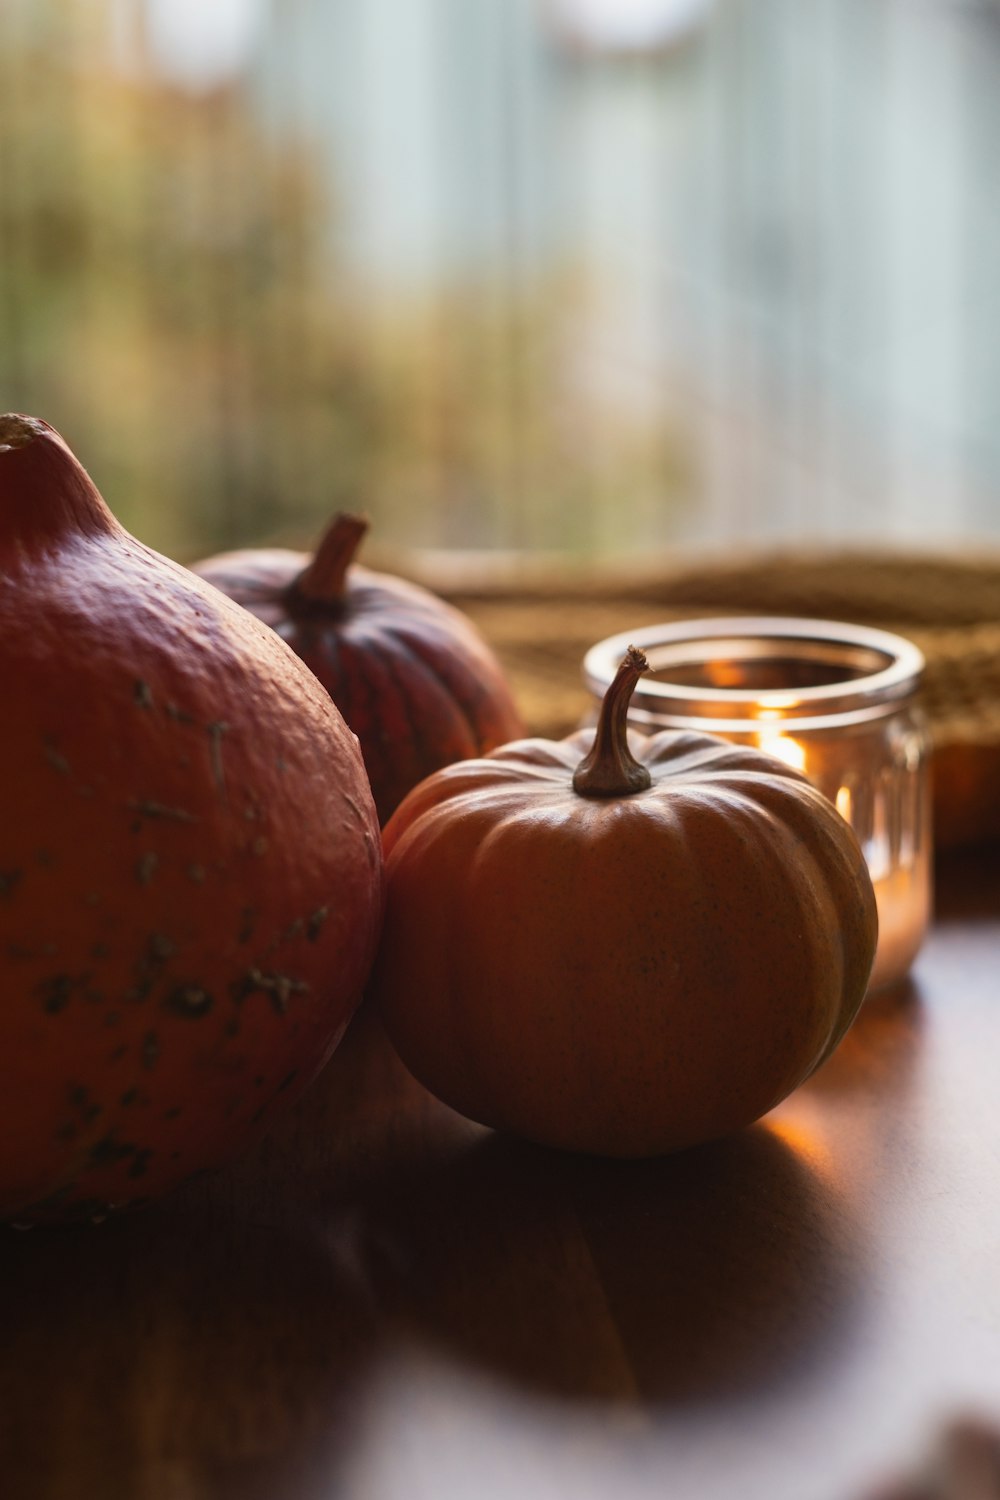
x: 589, y: 276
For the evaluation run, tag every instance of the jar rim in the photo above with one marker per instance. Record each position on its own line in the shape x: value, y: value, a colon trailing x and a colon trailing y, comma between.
x: 884, y: 667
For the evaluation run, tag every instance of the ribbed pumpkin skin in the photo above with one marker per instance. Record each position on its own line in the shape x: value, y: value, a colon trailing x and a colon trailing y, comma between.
x: 623, y: 975
x: 411, y: 675
x: 190, y: 870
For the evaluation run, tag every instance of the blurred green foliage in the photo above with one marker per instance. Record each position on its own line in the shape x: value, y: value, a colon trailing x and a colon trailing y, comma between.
x: 170, y: 300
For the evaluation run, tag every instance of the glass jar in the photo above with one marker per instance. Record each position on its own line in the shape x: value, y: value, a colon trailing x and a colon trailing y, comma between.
x: 836, y: 701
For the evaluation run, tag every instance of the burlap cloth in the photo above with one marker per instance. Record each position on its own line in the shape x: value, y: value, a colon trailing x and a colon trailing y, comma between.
x: 540, y: 625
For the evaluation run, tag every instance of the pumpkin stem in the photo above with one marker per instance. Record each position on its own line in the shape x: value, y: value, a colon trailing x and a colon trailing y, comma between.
x: 45, y: 492
x: 324, y: 580
x: 17, y: 431
x: 610, y: 769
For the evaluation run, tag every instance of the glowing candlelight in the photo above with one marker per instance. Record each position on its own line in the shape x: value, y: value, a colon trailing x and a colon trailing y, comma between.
x: 902, y: 890
x: 784, y: 747
x: 834, y: 701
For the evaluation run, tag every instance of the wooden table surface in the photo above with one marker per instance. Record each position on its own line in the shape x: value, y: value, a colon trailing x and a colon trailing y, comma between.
x: 385, y: 1301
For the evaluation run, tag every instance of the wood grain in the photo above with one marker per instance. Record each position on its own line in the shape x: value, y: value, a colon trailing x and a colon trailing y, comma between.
x: 386, y: 1301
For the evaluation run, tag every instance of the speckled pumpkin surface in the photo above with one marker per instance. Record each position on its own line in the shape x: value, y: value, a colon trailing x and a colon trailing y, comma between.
x: 627, y: 961
x: 190, y: 874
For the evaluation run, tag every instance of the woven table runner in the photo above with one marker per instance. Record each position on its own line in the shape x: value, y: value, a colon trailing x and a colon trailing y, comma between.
x: 540, y: 626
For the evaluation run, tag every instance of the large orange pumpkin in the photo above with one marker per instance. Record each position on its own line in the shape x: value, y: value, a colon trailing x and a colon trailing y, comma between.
x: 411, y: 675
x: 190, y: 870
x: 622, y: 949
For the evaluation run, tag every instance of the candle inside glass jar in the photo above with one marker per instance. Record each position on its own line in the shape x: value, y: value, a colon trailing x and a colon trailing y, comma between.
x: 835, y: 701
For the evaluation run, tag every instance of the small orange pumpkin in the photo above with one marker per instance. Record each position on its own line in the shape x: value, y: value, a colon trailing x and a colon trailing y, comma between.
x: 621, y: 949
x: 190, y: 867
x: 411, y: 675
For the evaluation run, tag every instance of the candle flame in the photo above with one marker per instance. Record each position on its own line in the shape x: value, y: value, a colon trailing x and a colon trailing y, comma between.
x: 784, y: 747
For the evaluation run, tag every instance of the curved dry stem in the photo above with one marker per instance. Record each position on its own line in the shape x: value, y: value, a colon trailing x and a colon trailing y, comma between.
x: 610, y: 769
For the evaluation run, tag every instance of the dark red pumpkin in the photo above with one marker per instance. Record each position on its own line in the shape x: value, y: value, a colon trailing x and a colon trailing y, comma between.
x: 411, y: 675
x: 190, y: 868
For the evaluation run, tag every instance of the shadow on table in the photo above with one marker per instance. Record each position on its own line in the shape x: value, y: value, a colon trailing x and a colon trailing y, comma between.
x: 220, y: 1342
x: 176, y: 1352
x: 720, y: 1271
x: 223, y: 1342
